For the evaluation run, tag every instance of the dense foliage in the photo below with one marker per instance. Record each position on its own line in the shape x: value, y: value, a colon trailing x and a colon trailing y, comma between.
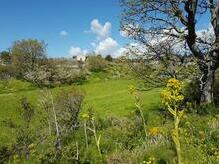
x: 96, y: 63
x: 27, y: 55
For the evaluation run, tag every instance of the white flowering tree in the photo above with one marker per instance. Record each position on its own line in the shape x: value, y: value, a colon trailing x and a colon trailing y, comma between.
x: 178, y: 20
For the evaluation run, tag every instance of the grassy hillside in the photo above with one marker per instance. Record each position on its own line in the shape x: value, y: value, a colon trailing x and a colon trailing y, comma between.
x: 121, y: 129
x: 106, y: 97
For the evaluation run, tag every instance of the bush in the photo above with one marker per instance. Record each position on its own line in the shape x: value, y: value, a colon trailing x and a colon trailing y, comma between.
x: 109, y: 58
x: 61, y: 117
x: 7, y: 72
x: 51, y: 75
x: 42, y: 76
x: 68, y: 105
x: 191, y: 92
x: 5, y: 57
x: 96, y: 63
x: 5, y: 153
x: 68, y: 76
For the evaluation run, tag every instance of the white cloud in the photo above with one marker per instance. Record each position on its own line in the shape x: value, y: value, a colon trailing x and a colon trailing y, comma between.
x: 63, y: 33
x: 120, y: 52
x: 107, y: 46
x: 102, y: 31
x: 77, y: 51
x: 104, y: 43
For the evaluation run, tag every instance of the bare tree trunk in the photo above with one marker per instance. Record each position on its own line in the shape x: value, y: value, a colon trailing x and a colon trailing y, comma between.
x: 208, y: 78
x: 206, y: 85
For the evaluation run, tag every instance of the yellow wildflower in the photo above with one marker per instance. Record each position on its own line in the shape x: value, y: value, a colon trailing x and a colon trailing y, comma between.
x: 174, y: 84
x: 172, y: 94
x: 153, y: 131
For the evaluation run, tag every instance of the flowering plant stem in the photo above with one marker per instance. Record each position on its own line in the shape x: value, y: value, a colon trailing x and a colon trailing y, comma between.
x: 85, y: 133
x: 172, y: 99
x: 97, y: 139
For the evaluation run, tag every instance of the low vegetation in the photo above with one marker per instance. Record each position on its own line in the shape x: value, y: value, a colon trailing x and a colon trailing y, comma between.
x: 101, y: 121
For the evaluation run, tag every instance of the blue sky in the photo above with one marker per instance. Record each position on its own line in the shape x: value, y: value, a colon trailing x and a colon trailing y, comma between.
x: 64, y: 24
x: 69, y: 27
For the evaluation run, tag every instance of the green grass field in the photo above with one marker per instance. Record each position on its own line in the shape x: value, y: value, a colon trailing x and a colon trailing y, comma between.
x: 106, y: 97
x: 111, y: 97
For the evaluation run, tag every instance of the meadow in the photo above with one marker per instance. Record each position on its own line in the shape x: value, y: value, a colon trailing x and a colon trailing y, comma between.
x: 118, y: 123
x: 106, y: 97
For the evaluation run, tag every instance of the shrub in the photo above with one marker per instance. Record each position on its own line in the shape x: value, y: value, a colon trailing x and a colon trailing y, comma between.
x: 68, y: 76
x: 121, y: 157
x: 5, y: 153
x: 7, y: 72
x: 25, y: 136
x: 109, y: 58
x: 68, y: 105
x: 5, y: 57
x: 42, y: 76
x: 96, y: 63
x: 61, y: 118
x: 50, y: 75
x: 191, y: 92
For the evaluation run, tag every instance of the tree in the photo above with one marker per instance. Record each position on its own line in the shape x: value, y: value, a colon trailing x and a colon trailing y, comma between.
x: 5, y: 57
x: 156, y: 64
x: 109, y: 58
x: 27, y: 55
x: 96, y: 63
x: 145, y: 20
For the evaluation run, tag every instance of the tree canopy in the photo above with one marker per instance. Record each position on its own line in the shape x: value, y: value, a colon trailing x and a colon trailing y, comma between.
x: 149, y: 21
x: 5, y: 56
x: 28, y: 54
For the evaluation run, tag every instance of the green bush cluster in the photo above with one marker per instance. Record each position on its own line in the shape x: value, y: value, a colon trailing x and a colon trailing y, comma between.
x: 7, y: 72
x: 96, y: 63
